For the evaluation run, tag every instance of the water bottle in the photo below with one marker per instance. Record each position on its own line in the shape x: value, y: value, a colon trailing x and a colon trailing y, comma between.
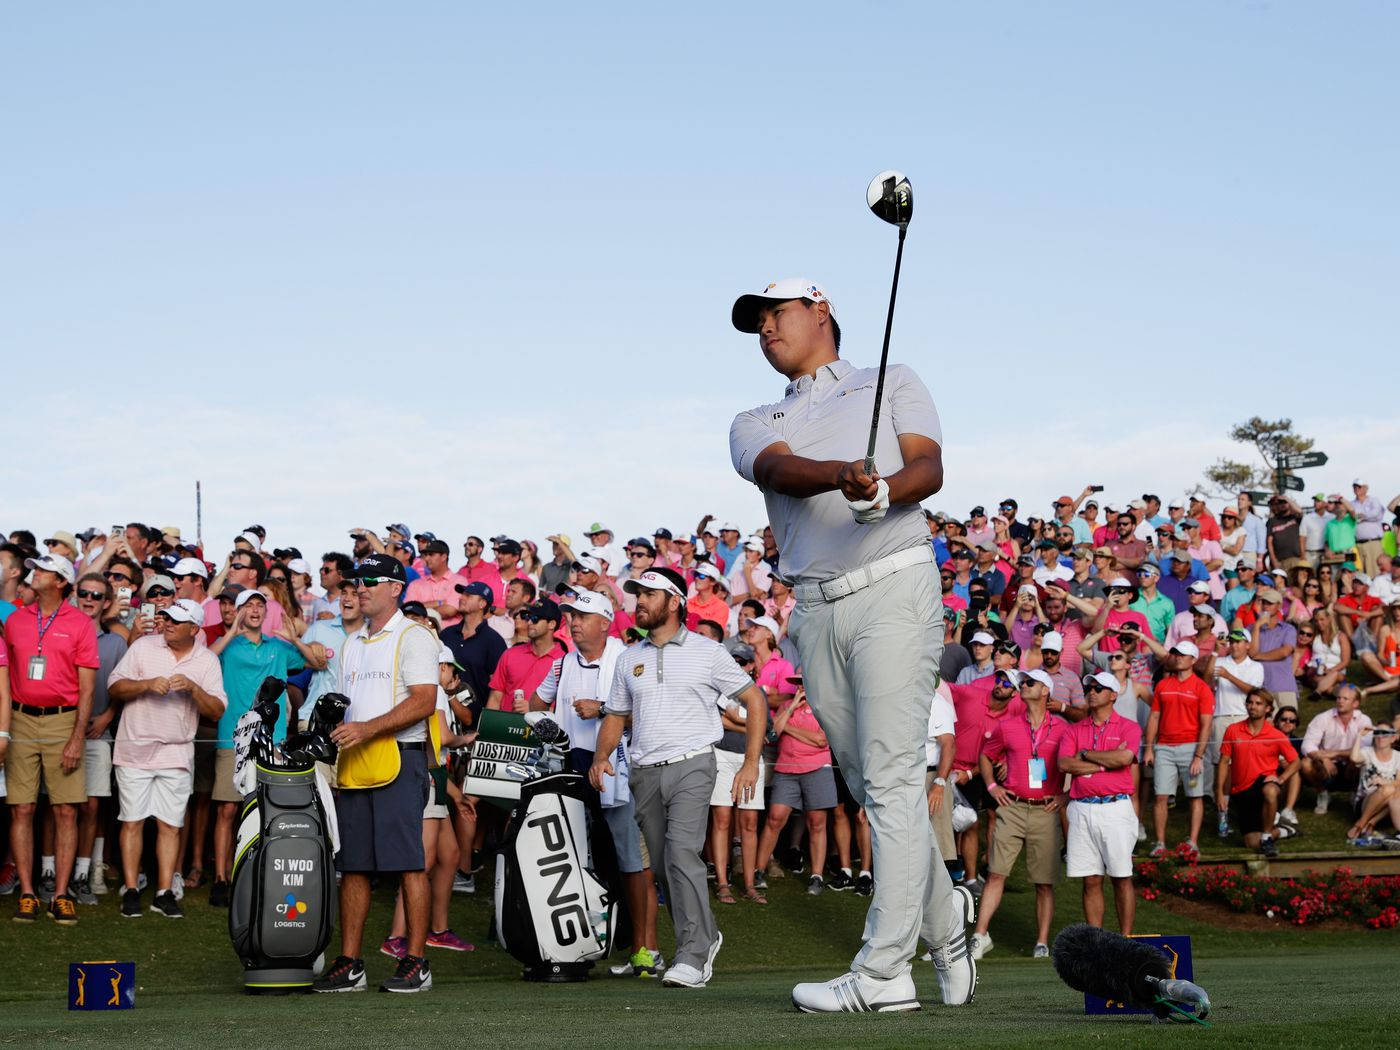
x: 519, y: 701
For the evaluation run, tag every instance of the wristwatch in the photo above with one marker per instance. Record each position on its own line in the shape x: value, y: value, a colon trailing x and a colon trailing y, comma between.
x: 940, y: 781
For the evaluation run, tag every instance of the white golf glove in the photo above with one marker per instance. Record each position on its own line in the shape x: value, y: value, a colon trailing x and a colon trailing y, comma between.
x: 868, y: 511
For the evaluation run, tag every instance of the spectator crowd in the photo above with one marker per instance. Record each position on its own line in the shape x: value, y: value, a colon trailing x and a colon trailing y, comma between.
x: 1097, y: 662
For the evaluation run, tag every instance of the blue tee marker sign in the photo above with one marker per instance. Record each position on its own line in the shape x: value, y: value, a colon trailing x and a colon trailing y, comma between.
x: 107, y: 985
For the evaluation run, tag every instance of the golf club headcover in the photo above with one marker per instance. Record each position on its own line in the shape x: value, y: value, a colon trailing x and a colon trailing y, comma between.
x: 266, y: 702
x: 315, y: 744
x: 1111, y: 966
x: 546, y: 729
x: 867, y: 511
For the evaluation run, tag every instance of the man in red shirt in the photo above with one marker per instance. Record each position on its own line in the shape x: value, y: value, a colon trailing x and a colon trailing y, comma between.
x: 978, y: 706
x: 1099, y: 753
x: 1359, y: 614
x: 523, y: 667
x: 1175, y: 742
x: 474, y: 570
x: 1029, y: 794
x: 51, y: 649
x: 1249, y: 764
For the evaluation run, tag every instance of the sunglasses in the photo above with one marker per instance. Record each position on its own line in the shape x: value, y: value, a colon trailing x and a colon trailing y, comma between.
x: 1290, y: 720
x: 1008, y: 647
x: 532, y: 617
x: 1116, y: 656
x: 374, y: 581
x: 1120, y: 590
x: 118, y: 576
x: 159, y: 592
x: 278, y: 579
x: 91, y: 595
x: 239, y: 565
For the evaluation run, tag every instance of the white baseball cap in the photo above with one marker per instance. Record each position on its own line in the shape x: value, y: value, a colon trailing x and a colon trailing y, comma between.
x: 653, y: 580
x: 1053, y: 640
x: 588, y: 563
x: 746, y: 307
x: 983, y: 638
x: 769, y: 622
x: 710, y: 570
x: 299, y: 565
x: 754, y: 544
x: 1186, y: 649
x: 190, y: 567
x: 588, y: 602
x: 253, y: 538
x: 1038, y: 676
x: 1200, y: 587
x: 183, y: 610
x: 1119, y: 581
x: 1010, y: 674
x: 56, y: 563
x: 157, y: 581
x: 1104, y: 679
x: 244, y: 597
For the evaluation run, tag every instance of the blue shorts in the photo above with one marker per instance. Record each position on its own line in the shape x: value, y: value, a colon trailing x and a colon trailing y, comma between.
x: 626, y: 836
x: 381, y: 829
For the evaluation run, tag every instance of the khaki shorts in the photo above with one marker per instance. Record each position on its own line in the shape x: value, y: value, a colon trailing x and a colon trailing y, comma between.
x: 942, y: 821
x: 36, y: 748
x: 224, y: 791
x: 1037, y: 830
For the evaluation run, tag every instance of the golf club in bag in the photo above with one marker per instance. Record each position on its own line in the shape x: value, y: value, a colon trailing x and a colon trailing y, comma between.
x: 890, y: 197
x: 283, y: 902
x: 557, y: 885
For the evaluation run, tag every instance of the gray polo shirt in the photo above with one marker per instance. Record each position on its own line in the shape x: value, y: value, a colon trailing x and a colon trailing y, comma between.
x: 672, y: 693
x: 827, y: 416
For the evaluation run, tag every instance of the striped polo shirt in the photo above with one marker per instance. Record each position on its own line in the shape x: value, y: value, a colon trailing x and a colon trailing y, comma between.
x: 671, y: 692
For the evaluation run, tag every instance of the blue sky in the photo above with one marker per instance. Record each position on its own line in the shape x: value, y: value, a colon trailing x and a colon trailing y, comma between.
x: 353, y: 263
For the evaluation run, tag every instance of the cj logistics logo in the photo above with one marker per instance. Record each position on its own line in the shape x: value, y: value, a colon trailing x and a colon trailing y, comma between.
x: 291, y: 907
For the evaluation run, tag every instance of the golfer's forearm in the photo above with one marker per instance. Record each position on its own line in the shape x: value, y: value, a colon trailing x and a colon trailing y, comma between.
x: 916, y: 481
x: 796, y: 476
x: 946, y: 753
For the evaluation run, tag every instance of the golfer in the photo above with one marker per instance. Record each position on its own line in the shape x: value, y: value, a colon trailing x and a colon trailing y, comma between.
x: 669, y: 684
x: 868, y: 621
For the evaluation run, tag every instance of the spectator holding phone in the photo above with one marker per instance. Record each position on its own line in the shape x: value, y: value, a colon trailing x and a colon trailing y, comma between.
x: 1377, y: 782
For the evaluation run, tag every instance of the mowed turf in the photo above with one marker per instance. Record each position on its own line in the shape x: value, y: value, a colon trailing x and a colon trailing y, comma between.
x: 1273, y: 987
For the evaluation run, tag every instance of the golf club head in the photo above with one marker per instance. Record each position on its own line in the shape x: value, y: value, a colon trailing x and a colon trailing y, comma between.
x: 891, y: 197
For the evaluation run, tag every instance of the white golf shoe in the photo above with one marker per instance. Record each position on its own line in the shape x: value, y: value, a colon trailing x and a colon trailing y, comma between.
x: 856, y: 993
x: 957, y: 971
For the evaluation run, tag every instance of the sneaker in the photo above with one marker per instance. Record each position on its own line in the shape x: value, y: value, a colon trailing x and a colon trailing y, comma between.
x: 1222, y: 825
x: 47, y: 885
x: 966, y: 901
x: 978, y: 945
x: 643, y: 963
x: 478, y: 861
x: 219, y: 896
x: 131, y: 904
x: 815, y: 886
x: 412, y: 975
x: 463, y: 883
x: 973, y: 886
x: 1159, y: 849
x: 865, y: 885
x: 927, y: 956
x: 29, y: 908
x: 709, y: 970
x: 710, y: 874
x: 9, y: 878
x: 64, y: 910
x: 1142, y: 832
x: 760, y: 880
x: 1323, y: 800
x: 841, y: 881
x: 775, y: 870
x: 1364, y: 841
x: 1041, y: 951
x: 857, y: 993
x: 165, y: 903
x: 1268, y: 846
x: 683, y: 975
x: 1287, y: 818
x: 957, y: 970
x: 1284, y: 831
x: 394, y: 947
x: 82, y: 890
x: 177, y: 886
x: 97, y: 879
x: 449, y: 940
x: 345, y: 975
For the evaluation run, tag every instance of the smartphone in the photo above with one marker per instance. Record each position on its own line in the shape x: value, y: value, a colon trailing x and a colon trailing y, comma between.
x: 124, y: 593
x: 148, y: 610
x: 1095, y: 488
x: 116, y: 529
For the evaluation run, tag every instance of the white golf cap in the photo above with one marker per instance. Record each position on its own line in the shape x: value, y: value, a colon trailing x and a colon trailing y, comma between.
x: 56, y: 563
x: 245, y: 597
x: 746, y: 307
x: 1009, y: 673
x: 769, y: 622
x: 1053, y: 640
x: 588, y: 602
x: 1186, y: 649
x: 1026, y: 588
x: 709, y: 570
x: 1104, y: 679
x: 299, y: 565
x: 753, y: 543
x: 1038, y: 676
x: 655, y: 580
x: 190, y: 567
x: 253, y: 538
x: 158, y: 580
x: 65, y: 537
x: 588, y: 563
x: 1119, y: 581
x: 183, y: 610
x: 445, y: 656
x: 983, y: 638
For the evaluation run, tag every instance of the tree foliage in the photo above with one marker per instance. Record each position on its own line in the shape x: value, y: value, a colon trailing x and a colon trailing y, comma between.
x: 1272, y: 439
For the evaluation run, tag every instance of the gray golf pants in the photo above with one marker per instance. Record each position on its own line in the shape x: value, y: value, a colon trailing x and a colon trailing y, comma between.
x: 673, y: 810
x: 870, y: 663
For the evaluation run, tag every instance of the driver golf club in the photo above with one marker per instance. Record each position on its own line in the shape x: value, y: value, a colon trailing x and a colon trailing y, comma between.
x: 892, y: 199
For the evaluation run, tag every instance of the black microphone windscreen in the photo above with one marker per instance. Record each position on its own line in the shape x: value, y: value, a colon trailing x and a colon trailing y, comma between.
x: 1109, y: 965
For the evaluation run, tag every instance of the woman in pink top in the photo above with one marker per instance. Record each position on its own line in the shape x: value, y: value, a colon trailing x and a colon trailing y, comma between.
x: 771, y: 670
x: 802, y: 780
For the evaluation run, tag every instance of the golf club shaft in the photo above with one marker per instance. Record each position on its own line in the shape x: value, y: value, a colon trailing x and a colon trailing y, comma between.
x: 884, y: 354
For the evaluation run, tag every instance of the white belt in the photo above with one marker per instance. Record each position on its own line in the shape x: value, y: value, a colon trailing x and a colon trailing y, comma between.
x: 679, y: 758
x: 859, y: 579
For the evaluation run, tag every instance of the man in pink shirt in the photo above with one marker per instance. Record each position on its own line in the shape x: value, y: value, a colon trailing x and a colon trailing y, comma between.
x: 165, y: 682
x: 523, y: 667
x: 1098, y: 754
x: 477, y: 571
x: 1020, y: 769
x: 438, y: 589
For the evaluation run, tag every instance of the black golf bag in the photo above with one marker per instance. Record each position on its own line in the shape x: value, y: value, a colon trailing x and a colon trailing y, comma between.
x: 284, y: 902
x: 557, y: 885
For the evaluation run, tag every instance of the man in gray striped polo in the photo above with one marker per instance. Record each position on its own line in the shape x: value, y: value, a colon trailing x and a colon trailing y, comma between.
x: 670, y: 685
x: 868, y: 621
